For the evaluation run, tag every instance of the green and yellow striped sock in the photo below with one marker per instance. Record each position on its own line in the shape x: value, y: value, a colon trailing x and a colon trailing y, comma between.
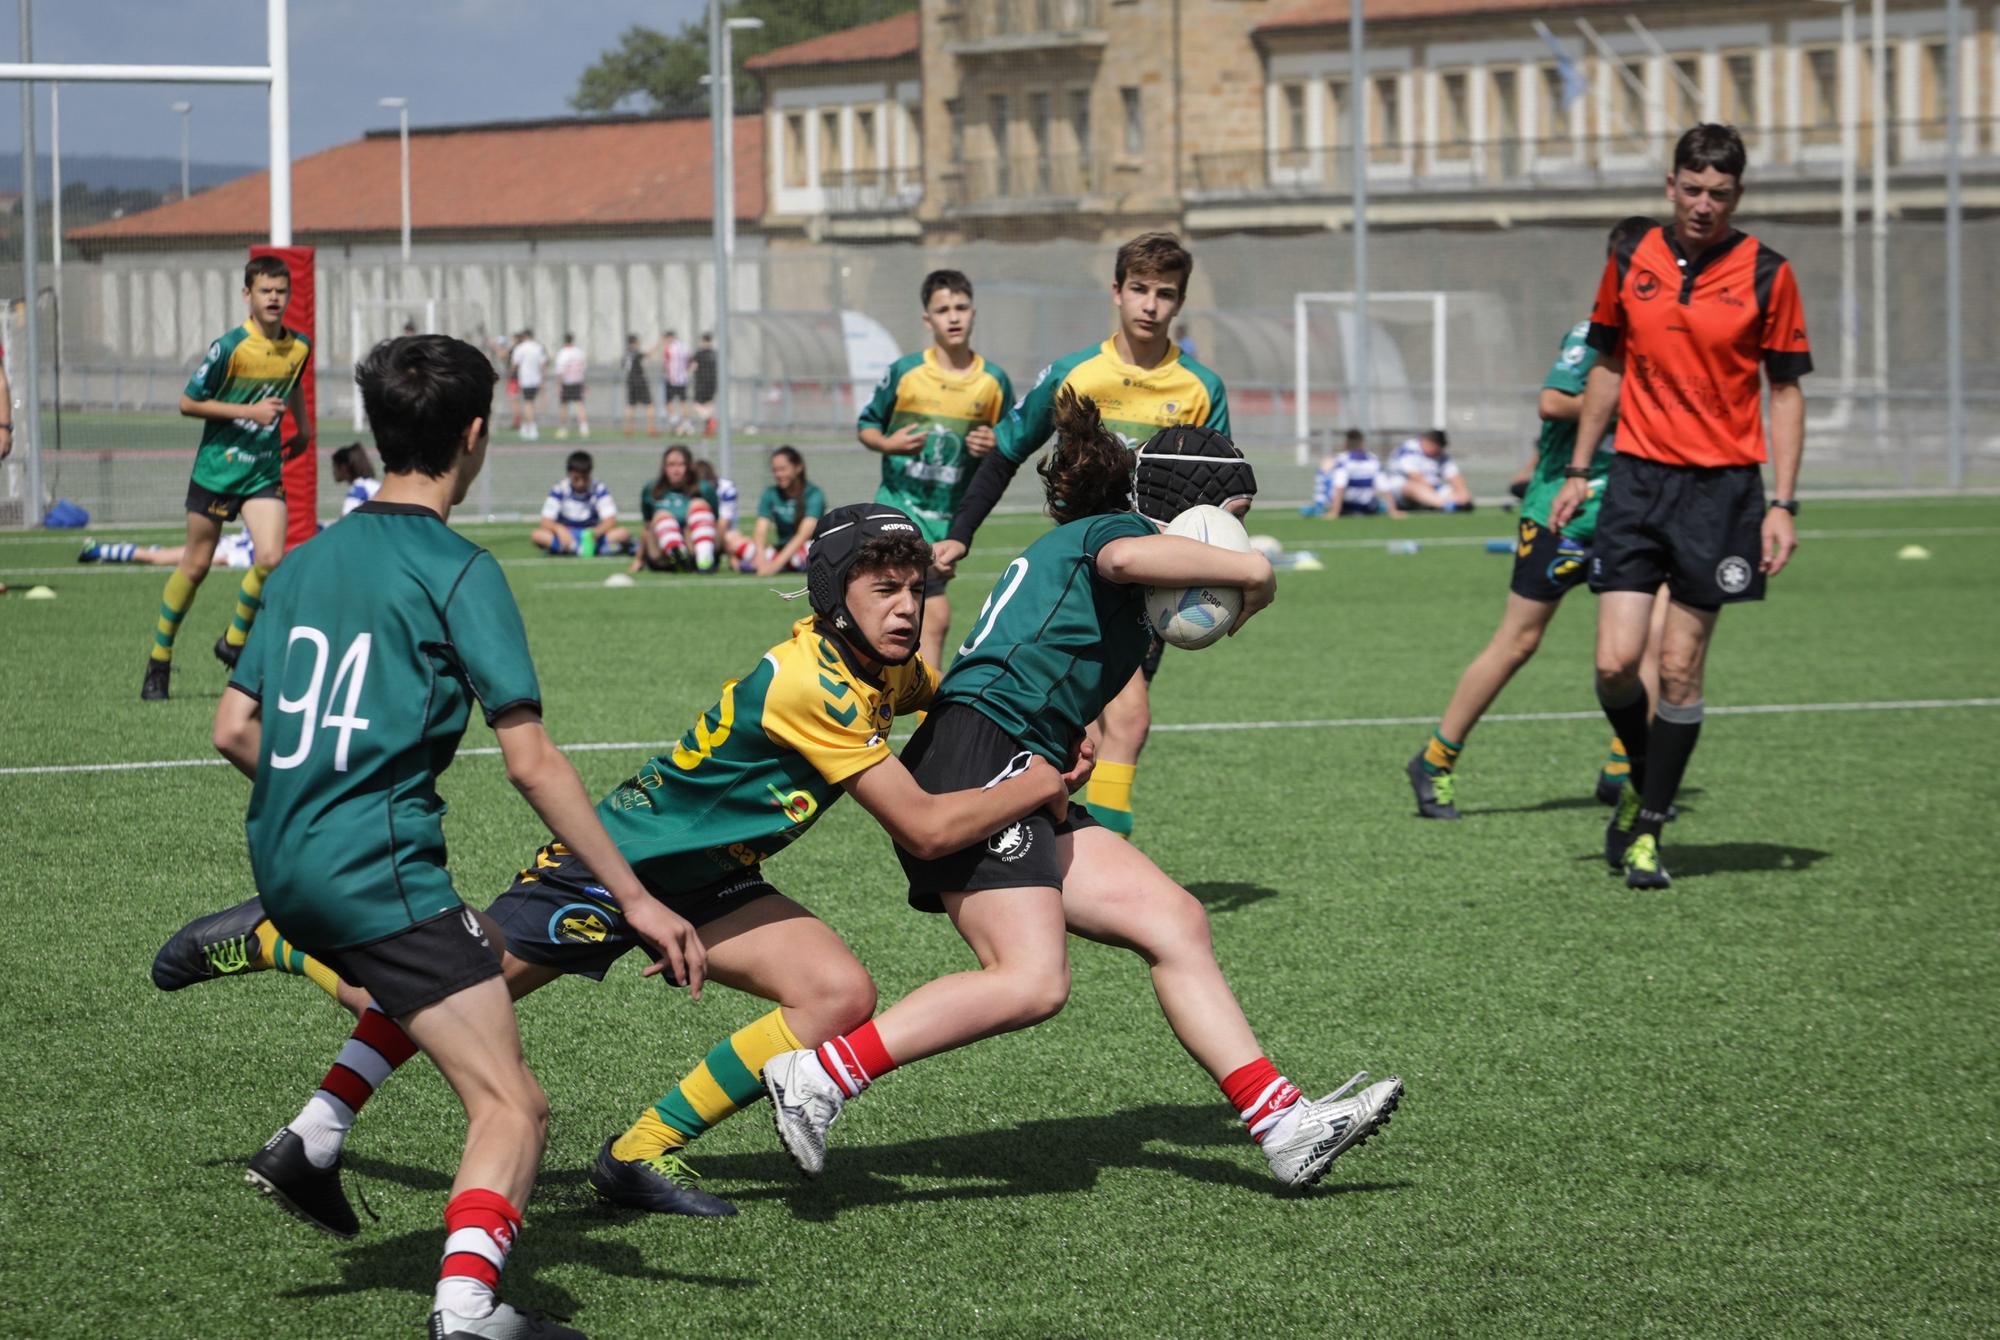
x: 1110, y: 796
x: 280, y: 955
x: 1617, y: 767
x: 727, y: 1081
x: 1440, y: 754
x: 174, y: 602
x: 249, y: 599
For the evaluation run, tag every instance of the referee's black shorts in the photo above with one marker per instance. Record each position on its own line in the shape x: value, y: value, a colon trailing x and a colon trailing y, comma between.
x: 1698, y: 529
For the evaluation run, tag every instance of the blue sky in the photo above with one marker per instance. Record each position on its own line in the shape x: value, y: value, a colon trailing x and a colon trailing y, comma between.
x: 456, y: 60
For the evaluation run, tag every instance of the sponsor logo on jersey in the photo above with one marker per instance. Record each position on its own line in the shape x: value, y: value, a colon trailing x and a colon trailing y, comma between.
x: 1646, y: 287
x: 472, y: 926
x: 579, y: 923
x: 1732, y: 574
x: 799, y: 806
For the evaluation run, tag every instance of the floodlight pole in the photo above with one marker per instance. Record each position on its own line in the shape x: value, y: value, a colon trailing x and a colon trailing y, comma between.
x: 1878, y: 211
x: 719, y: 112
x: 30, y: 361
x: 402, y: 107
x: 186, y: 109
x: 55, y: 185
x: 1357, y: 85
x: 1954, y: 255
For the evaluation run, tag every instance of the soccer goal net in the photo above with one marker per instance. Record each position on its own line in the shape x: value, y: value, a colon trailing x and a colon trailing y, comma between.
x: 1405, y: 376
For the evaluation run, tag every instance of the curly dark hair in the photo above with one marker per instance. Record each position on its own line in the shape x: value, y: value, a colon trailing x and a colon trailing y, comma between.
x: 886, y: 552
x: 1090, y: 470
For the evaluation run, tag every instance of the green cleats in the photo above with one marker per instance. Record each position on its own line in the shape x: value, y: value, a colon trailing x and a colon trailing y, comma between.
x: 1618, y: 834
x: 1642, y: 864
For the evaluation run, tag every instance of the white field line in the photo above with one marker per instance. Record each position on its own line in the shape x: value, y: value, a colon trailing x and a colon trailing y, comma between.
x: 1185, y: 727
x: 1376, y: 542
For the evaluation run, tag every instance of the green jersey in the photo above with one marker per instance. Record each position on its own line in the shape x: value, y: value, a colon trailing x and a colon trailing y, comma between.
x: 1572, y: 369
x: 1054, y: 641
x: 373, y: 642
x: 786, y: 513
x: 929, y: 484
x: 239, y: 457
x: 657, y: 497
x: 759, y: 768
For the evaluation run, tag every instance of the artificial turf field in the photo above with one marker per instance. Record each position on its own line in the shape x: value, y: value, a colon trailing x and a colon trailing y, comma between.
x: 1765, y: 1102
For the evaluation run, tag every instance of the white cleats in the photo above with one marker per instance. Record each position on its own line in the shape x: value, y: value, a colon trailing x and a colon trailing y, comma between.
x: 804, y: 1102
x: 1315, y: 1132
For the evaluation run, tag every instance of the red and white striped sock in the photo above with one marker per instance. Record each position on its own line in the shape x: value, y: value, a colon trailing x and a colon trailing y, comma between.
x: 377, y: 1046
x: 701, y: 531
x: 855, y: 1060
x: 1261, y: 1095
x: 480, y: 1228
x: 667, y: 531
x: 741, y: 550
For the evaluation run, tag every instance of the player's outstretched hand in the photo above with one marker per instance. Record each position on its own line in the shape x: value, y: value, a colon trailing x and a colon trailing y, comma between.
x: 1780, y: 540
x: 1569, y: 501
x: 945, y: 555
x: 1257, y: 596
x: 980, y: 441
x: 907, y: 440
x: 676, y: 945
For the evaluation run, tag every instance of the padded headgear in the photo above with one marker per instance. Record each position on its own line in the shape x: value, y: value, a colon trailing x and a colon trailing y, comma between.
x: 830, y: 559
x: 1184, y: 466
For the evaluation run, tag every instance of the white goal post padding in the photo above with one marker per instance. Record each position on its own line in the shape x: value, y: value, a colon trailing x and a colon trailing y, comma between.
x: 1430, y: 301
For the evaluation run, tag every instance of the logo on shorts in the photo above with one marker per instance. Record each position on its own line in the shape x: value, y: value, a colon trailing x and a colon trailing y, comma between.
x: 1732, y: 574
x: 472, y: 926
x: 1012, y: 842
x: 1646, y: 287
x: 579, y: 923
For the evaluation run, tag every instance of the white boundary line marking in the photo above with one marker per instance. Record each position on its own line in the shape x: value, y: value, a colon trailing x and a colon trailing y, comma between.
x: 719, y: 580
x: 1185, y: 727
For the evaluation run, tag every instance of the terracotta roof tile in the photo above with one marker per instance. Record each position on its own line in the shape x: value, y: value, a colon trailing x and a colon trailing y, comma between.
x: 547, y: 175
x: 1325, y: 13
x: 885, y: 39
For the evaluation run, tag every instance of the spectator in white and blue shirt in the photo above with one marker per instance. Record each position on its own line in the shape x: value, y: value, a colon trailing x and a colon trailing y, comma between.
x: 579, y: 516
x: 352, y: 467
x: 1350, y: 484
x: 1422, y: 475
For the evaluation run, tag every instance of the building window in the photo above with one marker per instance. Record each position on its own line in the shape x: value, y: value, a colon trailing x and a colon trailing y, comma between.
x: 867, y: 148
x: 1739, y: 88
x: 954, y: 115
x: 1454, y: 114
x: 913, y: 158
x: 1337, y: 111
x: 1290, y: 131
x: 1385, y: 130
x: 829, y: 144
x: 795, y: 149
x: 1683, y: 93
x: 1630, y: 99
x: 1552, y: 116
x: 1135, y: 126
x: 1933, y: 74
x: 1079, y: 123
x: 1038, y: 133
x: 1503, y: 122
x: 998, y: 114
x: 1819, y: 95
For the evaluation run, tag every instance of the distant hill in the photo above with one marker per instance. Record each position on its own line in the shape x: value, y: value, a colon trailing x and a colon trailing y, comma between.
x: 121, y: 172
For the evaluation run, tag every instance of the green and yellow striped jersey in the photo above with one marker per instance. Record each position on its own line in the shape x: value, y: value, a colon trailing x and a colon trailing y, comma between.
x: 930, y: 484
x: 1135, y: 402
x: 760, y: 766
x: 239, y: 457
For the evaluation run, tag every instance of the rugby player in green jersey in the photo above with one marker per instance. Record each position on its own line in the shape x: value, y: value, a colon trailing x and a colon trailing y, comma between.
x: 1063, y: 630
x: 932, y: 419
x: 343, y: 710
x: 807, y: 723
x: 1548, y: 565
x: 246, y: 382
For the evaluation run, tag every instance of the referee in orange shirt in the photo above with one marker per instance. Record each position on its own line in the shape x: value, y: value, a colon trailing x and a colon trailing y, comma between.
x: 1686, y: 317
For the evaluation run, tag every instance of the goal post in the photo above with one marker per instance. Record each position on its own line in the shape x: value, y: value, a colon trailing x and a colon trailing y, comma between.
x: 1384, y: 355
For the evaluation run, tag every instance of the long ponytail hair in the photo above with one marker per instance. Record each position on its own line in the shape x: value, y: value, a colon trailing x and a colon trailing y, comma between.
x: 1090, y: 470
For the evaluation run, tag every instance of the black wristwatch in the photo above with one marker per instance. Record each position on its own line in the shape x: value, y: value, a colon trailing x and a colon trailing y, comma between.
x: 1789, y: 504
x: 1576, y: 472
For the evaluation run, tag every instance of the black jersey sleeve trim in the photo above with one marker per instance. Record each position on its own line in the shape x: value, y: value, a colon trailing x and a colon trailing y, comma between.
x: 493, y: 714
x: 990, y: 481
x: 1764, y: 276
x: 1786, y: 366
x: 1602, y: 338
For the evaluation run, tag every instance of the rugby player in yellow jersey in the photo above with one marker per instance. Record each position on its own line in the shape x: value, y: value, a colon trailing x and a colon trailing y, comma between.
x: 1141, y: 381
x: 932, y: 420
x: 808, y: 722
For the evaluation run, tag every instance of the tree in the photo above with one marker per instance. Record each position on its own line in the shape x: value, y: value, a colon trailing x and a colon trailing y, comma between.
x: 661, y: 73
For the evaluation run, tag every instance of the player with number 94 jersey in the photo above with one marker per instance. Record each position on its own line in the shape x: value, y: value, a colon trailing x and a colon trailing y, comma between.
x: 365, y: 689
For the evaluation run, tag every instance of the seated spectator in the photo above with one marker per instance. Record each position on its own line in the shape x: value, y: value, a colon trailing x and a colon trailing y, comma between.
x: 579, y: 517
x: 787, y: 515
x: 351, y: 466
x: 677, y: 511
x: 735, y: 543
x: 1350, y: 484
x: 1422, y: 477
x: 233, y: 550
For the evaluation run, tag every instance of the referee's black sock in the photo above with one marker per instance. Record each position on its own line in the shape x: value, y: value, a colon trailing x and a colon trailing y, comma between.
x: 1675, y: 731
x: 1627, y: 716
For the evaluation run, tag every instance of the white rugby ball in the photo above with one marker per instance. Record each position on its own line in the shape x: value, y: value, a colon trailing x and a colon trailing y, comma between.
x: 1194, y: 617
x: 620, y: 579
x: 1270, y: 546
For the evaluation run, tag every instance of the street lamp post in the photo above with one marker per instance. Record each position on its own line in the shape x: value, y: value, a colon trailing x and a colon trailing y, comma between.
x: 401, y: 107
x: 722, y: 145
x: 184, y: 108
